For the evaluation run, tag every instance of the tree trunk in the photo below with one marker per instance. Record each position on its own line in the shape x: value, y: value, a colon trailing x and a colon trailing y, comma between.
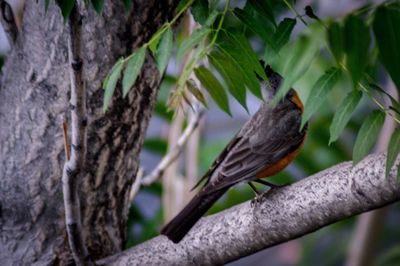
x: 34, y: 97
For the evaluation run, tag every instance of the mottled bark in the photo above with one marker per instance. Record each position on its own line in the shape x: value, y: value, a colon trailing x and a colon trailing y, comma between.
x: 278, y: 216
x: 33, y: 100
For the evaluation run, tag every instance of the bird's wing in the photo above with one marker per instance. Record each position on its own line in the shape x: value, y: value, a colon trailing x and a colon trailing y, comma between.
x: 266, y: 146
x: 218, y: 161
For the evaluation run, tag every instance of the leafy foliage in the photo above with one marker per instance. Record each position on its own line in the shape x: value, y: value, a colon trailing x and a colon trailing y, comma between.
x: 214, y: 87
x: 356, y: 44
x: 132, y: 70
x: 230, y: 74
x: 393, y: 150
x: 110, y: 82
x: 223, y: 52
x: 98, y: 5
x: 343, y: 114
x: 298, y: 63
x: 336, y: 41
x: 386, y: 29
x: 194, y: 39
x: 164, y: 50
x: 319, y: 93
x: 200, y: 11
x: 232, y: 56
x: 367, y: 135
x: 66, y: 7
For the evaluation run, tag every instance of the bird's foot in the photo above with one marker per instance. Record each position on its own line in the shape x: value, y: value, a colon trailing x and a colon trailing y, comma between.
x: 256, y: 200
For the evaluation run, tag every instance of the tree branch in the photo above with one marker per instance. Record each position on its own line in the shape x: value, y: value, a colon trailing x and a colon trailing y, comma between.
x: 278, y: 216
x: 177, y: 149
x: 73, y: 166
x: 363, y: 245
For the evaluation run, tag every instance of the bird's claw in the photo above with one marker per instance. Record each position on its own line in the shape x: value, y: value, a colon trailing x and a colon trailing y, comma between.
x: 256, y: 200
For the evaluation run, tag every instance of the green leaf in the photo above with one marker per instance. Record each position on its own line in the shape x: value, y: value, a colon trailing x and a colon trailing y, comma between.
x: 156, y: 145
x: 200, y: 11
x: 181, y: 5
x: 246, y: 52
x: 237, y: 48
x: 389, y: 257
x: 155, y: 40
x: 386, y: 27
x: 98, y: 5
x: 319, y: 93
x: 336, y: 41
x: 393, y: 150
x: 343, y: 114
x: 214, y: 88
x: 282, y: 34
x: 367, y: 135
x: 232, y: 76
x: 357, y: 40
x: 46, y: 5
x: 194, y: 39
x: 110, y: 82
x: 132, y: 70
x: 161, y: 110
x: 249, y: 78
x: 264, y: 8
x: 164, y: 50
x: 128, y: 5
x: 250, y: 21
x: 297, y: 65
x: 310, y: 13
x: 395, y: 104
x: 66, y: 7
x: 196, y: 92
x: 107, y: 78
x: 211, y: 18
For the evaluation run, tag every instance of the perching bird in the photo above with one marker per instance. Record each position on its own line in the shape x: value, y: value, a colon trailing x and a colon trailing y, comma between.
x: 265, y: 145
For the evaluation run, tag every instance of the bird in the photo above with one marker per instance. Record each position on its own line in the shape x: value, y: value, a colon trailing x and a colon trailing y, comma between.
x: 264, y: 146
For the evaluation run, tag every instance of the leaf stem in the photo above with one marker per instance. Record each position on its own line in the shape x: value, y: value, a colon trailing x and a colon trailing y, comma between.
x: 164, y: 27
x: 290, y: 6
x: 372, y: 97
x: 213, y: 40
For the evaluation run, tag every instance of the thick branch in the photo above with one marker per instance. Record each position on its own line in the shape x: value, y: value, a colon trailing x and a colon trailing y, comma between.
x: 73, y: 166
x: 279, y: 215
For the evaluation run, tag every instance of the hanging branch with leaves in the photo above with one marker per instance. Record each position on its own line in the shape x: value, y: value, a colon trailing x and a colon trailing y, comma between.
x: 231, y: 55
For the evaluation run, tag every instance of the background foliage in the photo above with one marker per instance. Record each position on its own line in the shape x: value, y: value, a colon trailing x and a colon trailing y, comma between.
x: 341, y: 68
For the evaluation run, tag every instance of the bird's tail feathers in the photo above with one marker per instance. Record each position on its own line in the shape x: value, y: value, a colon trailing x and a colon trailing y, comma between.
x: 178, y: 227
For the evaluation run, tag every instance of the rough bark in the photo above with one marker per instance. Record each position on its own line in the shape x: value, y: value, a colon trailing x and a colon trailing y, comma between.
x: 278, y: 216
x: 33, y: 99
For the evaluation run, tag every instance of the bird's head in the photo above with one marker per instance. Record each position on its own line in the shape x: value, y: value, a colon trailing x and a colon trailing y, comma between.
x: 271, y: 86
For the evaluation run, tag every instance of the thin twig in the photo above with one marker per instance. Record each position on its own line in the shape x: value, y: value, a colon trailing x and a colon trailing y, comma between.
x: 136, y: 185
x: 295, y: 12
x: 74, y: 165
x: 66, y: 141
x: 176, y: 150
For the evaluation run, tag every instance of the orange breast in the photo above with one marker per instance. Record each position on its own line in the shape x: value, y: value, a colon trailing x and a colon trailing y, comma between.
x: 271, y: 170
x: 296, y: 100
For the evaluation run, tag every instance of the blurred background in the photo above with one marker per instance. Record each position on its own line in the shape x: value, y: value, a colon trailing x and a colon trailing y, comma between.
x: 370, y: 239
